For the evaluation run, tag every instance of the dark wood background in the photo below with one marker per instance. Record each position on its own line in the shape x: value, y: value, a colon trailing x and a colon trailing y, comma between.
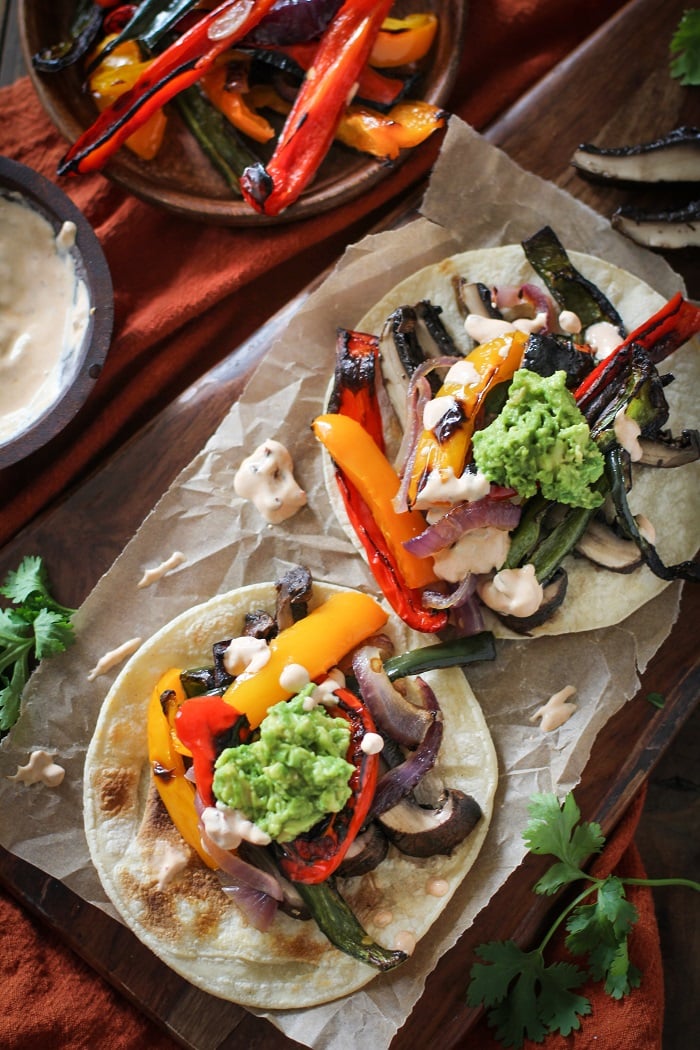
x: 668, y: 834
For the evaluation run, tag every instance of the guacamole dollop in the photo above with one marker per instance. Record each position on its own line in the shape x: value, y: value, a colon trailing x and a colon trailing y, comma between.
x: 293, y: 775
x: 541, y: 440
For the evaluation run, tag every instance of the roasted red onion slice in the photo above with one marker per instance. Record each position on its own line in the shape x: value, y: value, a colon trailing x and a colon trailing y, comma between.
x: 393, y: 713
x: 400, y: 781
x: 433, y: 599
x: 460, y: 519
x: 416, y: 400
x: 512, y: 296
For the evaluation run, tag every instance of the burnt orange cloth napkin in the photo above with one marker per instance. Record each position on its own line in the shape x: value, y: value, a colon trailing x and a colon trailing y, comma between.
x: 185, y: 296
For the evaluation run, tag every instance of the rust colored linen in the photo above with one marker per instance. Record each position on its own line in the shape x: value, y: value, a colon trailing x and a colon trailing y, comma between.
x: 185, y: 296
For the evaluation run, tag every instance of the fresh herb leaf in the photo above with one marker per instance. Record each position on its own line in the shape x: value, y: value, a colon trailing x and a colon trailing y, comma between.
x: 685, y: 48
x: 656, y: 699
x: 33, y: 627
x: 553, y: 830
x: 524, y: 997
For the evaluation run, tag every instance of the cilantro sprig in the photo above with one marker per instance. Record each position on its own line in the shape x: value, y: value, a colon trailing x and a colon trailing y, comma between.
x: 685, y: 48
x: 32, y: 627
x: 524, y: 996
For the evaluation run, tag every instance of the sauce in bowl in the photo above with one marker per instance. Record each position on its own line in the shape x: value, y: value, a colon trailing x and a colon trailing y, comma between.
x: 44, y: 314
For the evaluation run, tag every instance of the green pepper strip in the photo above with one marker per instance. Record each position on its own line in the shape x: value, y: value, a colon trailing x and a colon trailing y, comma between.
x: 216, y: 136
x: 151, y: 20
x: 663, y: 333
x: 615, y: 471
x: 455, y: 653
x: 571, y: 289
x: 310, y: 127
x: 83, y: 32
x: 337, y: 921
x: 175, y: 69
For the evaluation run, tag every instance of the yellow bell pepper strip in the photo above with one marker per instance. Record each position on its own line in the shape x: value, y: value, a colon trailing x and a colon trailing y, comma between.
x: 401, y: 41
x: 168, y: 768
x: 172, y: 695
x: 233, y: 104
x: 446, y: 447
x: 176, y: 68
x: 385, y: 135
x: 313, y: 858
x: 317, y: 642
x: 118, y: 72
x: 310, y: 127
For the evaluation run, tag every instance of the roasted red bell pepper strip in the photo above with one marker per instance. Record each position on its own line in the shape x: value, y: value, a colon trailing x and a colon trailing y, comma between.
x: 310, y: 127
x: 663, y: 333
x: 407, y: 602
x: 313, y: 857
x: 201, y: 722
x: 355, y: 387
x: 177, y: 68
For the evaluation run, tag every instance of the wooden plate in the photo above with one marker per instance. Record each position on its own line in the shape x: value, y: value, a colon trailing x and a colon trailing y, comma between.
x: 180, y: 178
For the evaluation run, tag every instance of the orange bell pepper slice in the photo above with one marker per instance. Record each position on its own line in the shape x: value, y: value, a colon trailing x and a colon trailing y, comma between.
x: 364, y: 464
x: 168, y: 769
x: 494, y: 362
x: 401, y: 41
x: 385, y: 135
x: 318, y: 643
x: 234, y: 106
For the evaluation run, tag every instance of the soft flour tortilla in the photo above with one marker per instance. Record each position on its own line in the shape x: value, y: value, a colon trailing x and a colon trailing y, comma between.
x: 190, y: 923
x: 669, y: 498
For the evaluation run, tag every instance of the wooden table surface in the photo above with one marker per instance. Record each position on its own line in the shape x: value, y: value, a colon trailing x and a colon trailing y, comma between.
x: 633, y: 100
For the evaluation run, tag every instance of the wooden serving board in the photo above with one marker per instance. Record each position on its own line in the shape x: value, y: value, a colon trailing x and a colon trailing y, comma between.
x: 592, y: 96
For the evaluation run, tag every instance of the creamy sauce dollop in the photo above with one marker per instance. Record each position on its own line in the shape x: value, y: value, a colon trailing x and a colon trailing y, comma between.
x: 44, y: 313
x: 266, y: 478
x: 40, y: 769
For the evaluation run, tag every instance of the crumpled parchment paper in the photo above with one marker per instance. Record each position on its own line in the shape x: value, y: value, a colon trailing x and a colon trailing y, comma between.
x: 477, y: 197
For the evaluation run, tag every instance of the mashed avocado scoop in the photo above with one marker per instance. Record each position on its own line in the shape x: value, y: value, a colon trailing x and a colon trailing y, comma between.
x: 540, y: 441
x: 293, y: 775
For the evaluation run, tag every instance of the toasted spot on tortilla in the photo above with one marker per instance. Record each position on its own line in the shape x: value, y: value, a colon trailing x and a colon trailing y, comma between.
x: 115, y: 789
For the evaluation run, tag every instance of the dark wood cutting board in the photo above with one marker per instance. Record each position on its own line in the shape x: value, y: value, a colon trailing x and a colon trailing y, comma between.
x: 614, y: 89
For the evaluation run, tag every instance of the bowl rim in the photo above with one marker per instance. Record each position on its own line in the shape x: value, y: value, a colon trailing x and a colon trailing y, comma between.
x: 56, y: 207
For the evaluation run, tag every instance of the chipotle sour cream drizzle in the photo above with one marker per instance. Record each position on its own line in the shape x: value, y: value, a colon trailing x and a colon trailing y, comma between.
x: 44, y: 312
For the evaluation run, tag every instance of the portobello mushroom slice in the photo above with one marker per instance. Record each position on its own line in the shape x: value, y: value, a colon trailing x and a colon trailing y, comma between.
x: 364, y: 854
x: 547, y: 354
x: 554, y: 594
x: 601, y: 545
x: 675, y: 228
x: 672, y: 158
x: 473, y: 297
x: 667, y: 451
x: 423, y: 831
x: 294, y: 590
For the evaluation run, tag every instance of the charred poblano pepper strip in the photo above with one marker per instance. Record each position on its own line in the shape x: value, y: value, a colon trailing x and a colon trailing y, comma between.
x: 615, y: 473
x: 175, y: 69
x: 551, y: 551
x: 314, y: 856
x: 641, y: 398
x: 527, y: 533
x: 662, y: 334
x: 337, y: 921
x: 571, y: 289
x: 454, y: 653
x: 151, y: 20
x: 83, y: 33
x: 217, y: 139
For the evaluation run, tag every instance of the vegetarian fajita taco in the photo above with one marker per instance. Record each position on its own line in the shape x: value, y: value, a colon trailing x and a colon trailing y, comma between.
x: 497, y: 431
x: 278, y: 806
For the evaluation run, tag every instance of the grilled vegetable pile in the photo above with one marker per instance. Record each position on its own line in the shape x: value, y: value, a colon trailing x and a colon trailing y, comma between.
x: 518, y: 457
x: 229, y: 68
